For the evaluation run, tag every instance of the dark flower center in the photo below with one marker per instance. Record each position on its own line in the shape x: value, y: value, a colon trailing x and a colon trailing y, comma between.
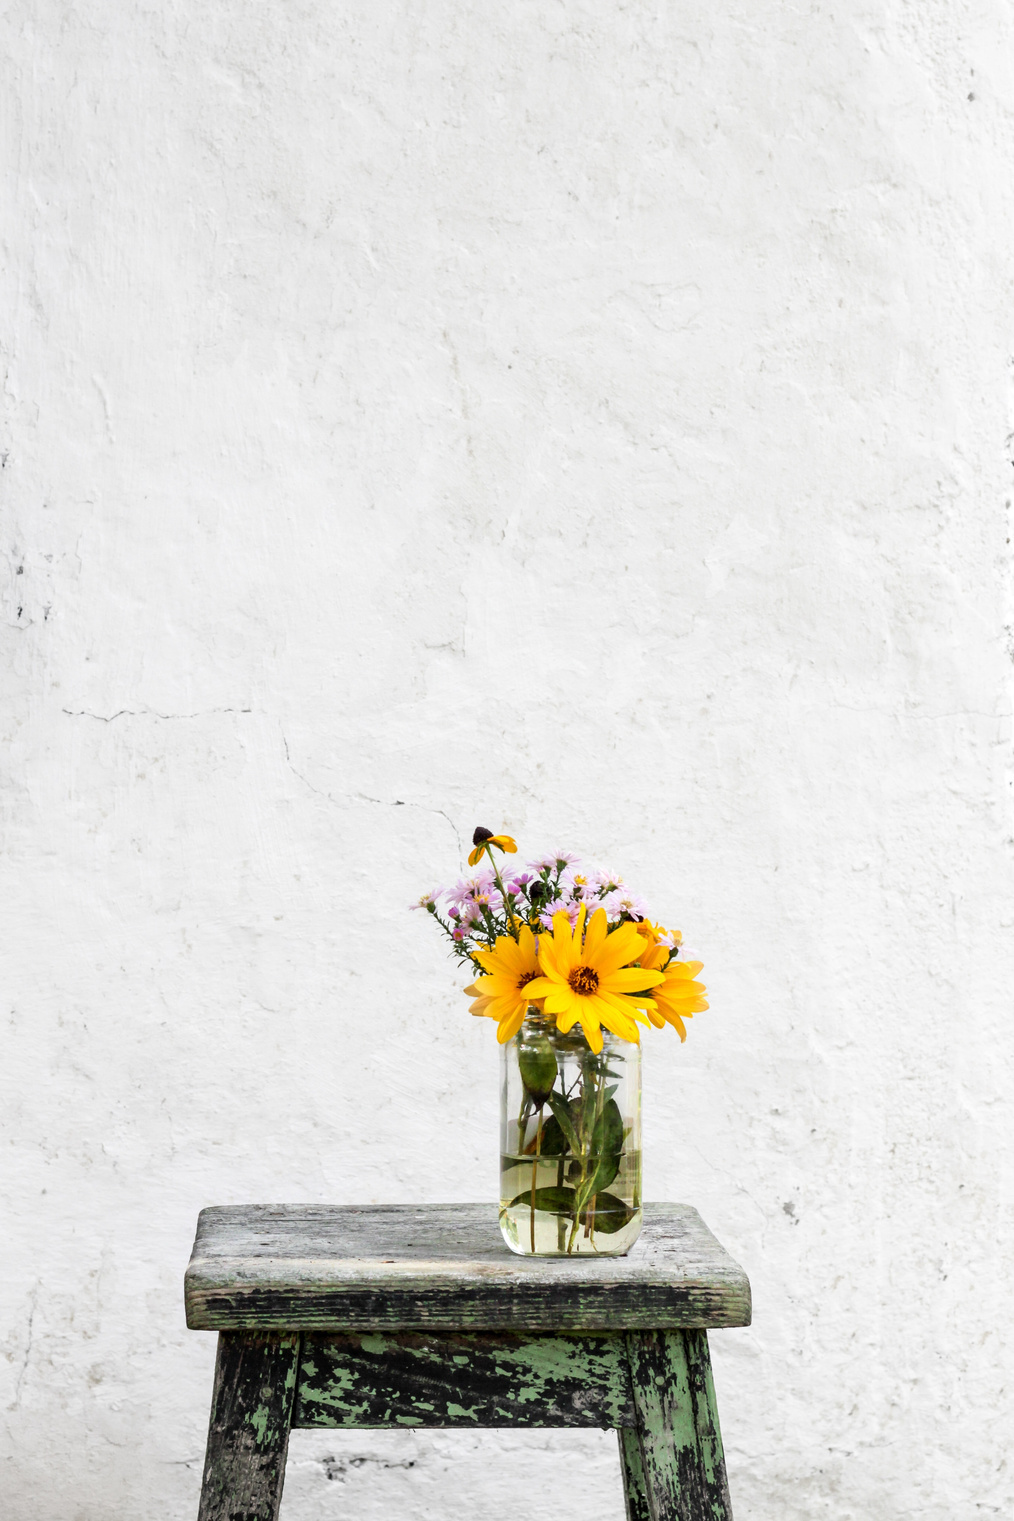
x: 526, y: 978
x: 481, y: 836
x: 584, y: 980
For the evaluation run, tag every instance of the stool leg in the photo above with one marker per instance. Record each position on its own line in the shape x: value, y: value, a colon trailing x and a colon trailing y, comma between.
x: 677, y: 1428
x: 635, y: 1491
x: 244, y: 1469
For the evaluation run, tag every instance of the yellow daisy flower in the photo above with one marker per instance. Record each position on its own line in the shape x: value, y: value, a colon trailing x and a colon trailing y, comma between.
x: 483, y: 837
x: 502, y: 994
x: 679, y: 995
x: 653, y: 953
x: 587, y: 977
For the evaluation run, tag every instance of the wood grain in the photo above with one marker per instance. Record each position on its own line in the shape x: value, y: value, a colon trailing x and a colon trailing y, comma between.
x: 248, y: 1437
x: 314, y: 1267
x: 454, y: 1378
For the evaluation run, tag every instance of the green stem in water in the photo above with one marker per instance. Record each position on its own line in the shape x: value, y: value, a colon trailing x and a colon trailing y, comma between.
x: 589, y: 1225
x: 526, y: 1109
x: 535, y: 1166
x: 561, y: 1229
x: 588, y: 1075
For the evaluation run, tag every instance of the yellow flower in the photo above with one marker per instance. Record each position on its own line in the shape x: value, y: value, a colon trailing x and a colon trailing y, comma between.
x: 653, y: 953
x: 510, y: 967
x: 587, y: 977
x: 483, y: 837
x: 679, y: 995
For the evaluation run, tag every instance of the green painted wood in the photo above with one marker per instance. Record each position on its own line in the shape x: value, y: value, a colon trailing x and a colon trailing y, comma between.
x: 248, y: 1437
x: 420, y: 1317
x: 709, y: 1435
x: 405, y: 1378
x: 315, y: 1267
x: 677, y: 1426
x: 635, y: 1490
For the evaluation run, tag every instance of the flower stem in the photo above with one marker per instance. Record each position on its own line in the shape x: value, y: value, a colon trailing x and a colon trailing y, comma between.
x: 503, y: 893
x: 535, y: 1167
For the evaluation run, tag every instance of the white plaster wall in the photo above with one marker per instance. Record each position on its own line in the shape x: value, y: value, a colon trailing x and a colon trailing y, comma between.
x: 582, y: 417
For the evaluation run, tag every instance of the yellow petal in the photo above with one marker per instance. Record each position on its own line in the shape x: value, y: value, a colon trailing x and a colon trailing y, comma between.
x: 510, y: 1026
x: 541, y: 987
x: 629, y: 979
x: 598, y: 928
x: 592, y: 1032
x: 616, y: 1019
x: 622, y: 946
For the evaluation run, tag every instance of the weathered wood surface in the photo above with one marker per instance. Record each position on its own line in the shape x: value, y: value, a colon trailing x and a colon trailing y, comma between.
x: 455, y: 1378
x: 683, y: 1467
x: 312, y: 1267
x: 635, y: 1492
x: 251, y: 1410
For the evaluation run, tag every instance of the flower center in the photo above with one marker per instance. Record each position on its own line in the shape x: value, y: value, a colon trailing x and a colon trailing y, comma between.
x: 584, y: 980
x: 525, y: 979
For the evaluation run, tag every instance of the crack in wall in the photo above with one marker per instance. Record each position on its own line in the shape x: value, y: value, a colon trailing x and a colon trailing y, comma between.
x: 364, y: 797
x: 28, y: 1348
x: 108, y: 718
x: 337, y: 1468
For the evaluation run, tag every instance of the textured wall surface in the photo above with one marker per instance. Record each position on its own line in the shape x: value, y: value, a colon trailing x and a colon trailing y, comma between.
x: 586, y: 418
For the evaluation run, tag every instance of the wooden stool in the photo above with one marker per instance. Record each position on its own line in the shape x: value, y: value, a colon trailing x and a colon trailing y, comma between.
x: 419, y: 1316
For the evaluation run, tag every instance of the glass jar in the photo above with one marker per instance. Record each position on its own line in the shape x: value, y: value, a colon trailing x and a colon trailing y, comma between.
x: 570, y: 1142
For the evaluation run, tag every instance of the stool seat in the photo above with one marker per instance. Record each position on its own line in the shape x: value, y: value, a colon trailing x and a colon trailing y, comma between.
x: 445, y: 1266
x: 401, y: 1316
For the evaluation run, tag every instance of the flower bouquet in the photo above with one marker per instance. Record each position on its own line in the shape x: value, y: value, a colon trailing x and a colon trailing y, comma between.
x: 569, y: 964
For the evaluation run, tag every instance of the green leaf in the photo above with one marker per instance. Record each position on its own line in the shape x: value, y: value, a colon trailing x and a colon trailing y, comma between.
x: 554, y: 1142
x: 537, y: 1062
x: 552, y: 1201
x: 611, y: 1214
x: 605, y: 1172
x: 606, y: 1151
x: 608, y: 1133
x: 562, y: 1114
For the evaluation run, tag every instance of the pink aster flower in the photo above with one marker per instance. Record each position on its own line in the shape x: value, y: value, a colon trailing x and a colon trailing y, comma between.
x: 553, y: 860
x: 466, y: 890
x: 621, y: 901
x: 570, y: 907
x: 579, y: 885
x: 427, y: 900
